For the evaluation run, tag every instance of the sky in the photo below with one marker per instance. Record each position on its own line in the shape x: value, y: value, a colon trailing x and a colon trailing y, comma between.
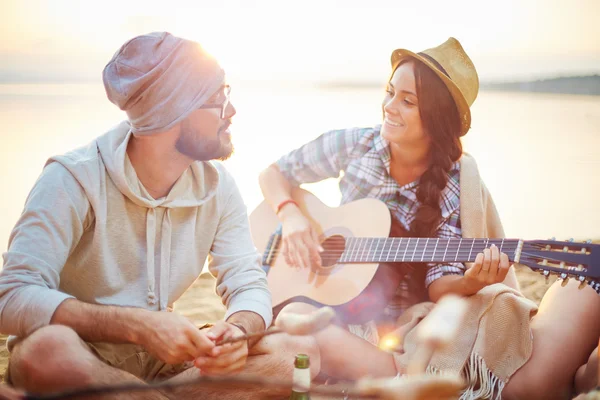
x: 316, y: 40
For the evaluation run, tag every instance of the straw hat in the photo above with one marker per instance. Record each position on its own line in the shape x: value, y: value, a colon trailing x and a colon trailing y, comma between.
x: 454, y: 67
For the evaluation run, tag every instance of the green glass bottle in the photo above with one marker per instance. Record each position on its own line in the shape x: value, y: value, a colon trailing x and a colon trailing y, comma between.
x: 301, y: 382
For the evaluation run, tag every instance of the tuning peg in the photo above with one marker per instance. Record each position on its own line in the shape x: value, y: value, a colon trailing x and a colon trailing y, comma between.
x: 546, y: 275
x: 582, y: 282
x: 571, y: 240
x: 589, y: 241
x: 595, y: 285
x: 565, y: 279
x: 553, y: 238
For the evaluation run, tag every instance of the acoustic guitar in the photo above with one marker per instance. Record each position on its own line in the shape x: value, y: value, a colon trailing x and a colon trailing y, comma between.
x: 362, y: 265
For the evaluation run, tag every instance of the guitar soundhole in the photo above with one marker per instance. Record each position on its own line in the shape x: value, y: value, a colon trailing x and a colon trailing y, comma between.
x: 334, y: 247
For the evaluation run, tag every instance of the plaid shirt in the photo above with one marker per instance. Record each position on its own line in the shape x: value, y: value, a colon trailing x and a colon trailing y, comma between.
x: 364, y: 157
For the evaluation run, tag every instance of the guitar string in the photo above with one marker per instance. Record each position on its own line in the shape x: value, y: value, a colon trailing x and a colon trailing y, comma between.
x: 392, y: 254
x: 339, y: 250
x: 442, y: 244
x: 545, y: 258
x: 423, y: 251
x: 355, y: 248
x: 461, y: 256
x: 357, y: 242
x: 341, y: 245
x: 329, y: 256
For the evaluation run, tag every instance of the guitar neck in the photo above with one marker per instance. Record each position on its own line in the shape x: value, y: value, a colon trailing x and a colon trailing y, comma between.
x: 430, y: 250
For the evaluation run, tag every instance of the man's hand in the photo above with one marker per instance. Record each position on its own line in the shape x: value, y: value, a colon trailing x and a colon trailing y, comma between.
x: 172, y: 338
x: 490, y: 267
x: 228, y: 358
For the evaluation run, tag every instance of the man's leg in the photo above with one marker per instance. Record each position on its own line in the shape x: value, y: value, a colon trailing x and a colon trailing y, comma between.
x: 565, y: 331
x: 55, y: 359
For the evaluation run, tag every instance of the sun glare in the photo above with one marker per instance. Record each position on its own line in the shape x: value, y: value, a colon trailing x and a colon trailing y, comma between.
x: 269, y: 39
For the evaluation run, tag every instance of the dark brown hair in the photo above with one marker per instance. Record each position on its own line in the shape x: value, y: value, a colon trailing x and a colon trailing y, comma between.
x: 441, y: 122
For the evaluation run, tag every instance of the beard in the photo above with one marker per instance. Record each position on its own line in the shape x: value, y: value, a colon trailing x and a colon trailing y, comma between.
x: 204, y: 149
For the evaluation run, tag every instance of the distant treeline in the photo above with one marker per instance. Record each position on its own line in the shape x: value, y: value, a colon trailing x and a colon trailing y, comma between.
x: 588, y: 85
x: 585, y: 85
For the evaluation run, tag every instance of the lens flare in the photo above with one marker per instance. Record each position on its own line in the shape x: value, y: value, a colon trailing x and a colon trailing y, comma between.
x: 389, y: 342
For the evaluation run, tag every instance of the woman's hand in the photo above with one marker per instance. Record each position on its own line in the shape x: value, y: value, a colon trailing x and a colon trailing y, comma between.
x: 490, y: 267
x: 301, y: 246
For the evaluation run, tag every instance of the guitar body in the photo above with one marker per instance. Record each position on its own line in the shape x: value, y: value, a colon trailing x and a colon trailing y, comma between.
x: 357, y: 292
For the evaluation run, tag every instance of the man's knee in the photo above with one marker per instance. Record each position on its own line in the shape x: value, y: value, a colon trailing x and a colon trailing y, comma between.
x: 45, y: 353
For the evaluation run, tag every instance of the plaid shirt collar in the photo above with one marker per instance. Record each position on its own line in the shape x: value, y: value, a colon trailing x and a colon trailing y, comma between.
x: 381, y: 148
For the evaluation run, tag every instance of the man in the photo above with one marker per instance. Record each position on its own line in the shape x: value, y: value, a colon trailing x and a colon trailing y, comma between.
x: 114, y: 233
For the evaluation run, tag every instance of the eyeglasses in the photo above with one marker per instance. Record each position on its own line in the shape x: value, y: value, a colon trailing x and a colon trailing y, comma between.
x: 227, y: 90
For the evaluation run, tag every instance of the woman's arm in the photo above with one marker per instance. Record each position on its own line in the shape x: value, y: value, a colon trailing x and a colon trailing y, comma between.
x: 276, y: 189
x: 300, y: 240
x: 321, y: 158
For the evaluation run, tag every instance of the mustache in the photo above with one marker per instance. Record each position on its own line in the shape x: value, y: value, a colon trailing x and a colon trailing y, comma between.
x: 226, y: 125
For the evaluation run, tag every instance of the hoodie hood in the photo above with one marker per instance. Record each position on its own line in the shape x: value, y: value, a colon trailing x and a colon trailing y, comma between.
x: 195, y: 186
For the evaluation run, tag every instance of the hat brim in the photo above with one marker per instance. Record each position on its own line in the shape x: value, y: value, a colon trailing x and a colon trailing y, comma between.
x: 461, y: 103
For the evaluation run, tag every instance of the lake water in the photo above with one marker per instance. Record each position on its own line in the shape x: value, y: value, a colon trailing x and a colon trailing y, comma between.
x: 538, y: 153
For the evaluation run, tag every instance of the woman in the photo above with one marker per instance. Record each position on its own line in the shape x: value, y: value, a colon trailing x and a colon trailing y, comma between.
x: 414, y: 162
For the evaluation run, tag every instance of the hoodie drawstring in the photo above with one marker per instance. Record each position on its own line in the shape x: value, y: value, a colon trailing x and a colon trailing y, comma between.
x: 150, y: 232
x: 165, y: 257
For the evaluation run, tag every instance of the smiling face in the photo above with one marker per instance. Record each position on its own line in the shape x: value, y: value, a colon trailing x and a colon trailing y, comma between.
x: 204, y: 134
x: 402, y: 121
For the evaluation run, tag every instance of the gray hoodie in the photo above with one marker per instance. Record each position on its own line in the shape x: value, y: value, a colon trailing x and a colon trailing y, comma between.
x: 90, y: 230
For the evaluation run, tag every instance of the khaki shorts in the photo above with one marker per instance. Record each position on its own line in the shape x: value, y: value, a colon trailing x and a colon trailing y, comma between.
x: 136, y: 361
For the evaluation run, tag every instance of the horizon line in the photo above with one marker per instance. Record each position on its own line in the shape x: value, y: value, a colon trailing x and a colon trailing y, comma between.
x: 333, y: 83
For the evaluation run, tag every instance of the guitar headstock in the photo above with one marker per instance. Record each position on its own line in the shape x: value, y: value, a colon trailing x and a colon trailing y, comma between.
x: 565, y: 259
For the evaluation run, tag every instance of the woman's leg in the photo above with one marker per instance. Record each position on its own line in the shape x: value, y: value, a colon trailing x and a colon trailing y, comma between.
x: 347, y: 356
x: 565, y: 331
x: 586, y: 378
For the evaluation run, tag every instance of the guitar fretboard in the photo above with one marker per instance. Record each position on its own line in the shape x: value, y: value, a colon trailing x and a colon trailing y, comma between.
x: 402, y: 249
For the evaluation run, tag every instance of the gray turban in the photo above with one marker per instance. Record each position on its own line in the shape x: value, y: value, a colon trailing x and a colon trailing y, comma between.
x: 159, y: 79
